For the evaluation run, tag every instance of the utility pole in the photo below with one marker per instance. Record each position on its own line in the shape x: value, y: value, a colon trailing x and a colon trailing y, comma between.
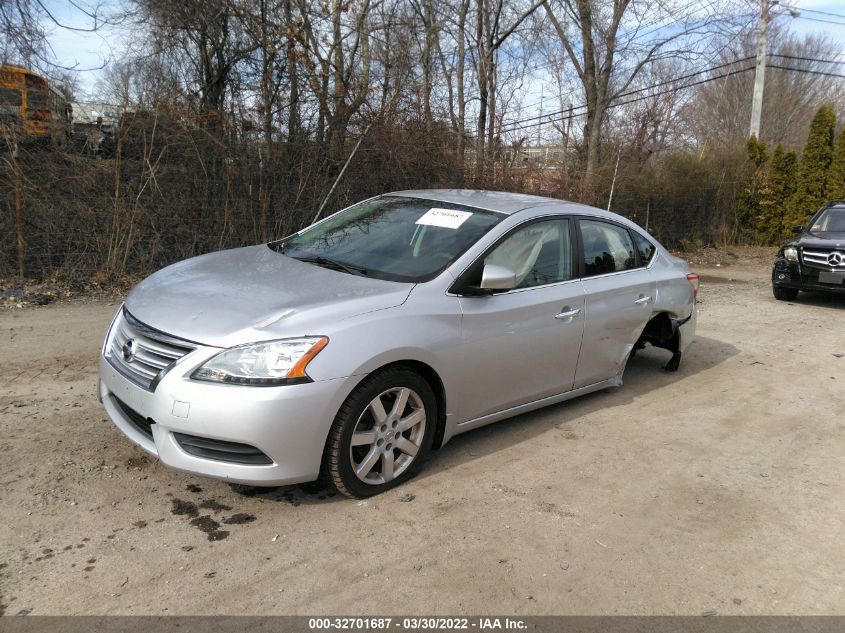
x: 540, y: 122
x: 760, y: 71
x: 613, y: 184
x: 342, y: 171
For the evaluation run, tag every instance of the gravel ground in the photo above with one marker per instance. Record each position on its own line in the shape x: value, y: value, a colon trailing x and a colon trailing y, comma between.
x: 717, y: 489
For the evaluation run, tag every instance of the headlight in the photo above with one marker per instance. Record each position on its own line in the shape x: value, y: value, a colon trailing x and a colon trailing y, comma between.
x: 111, y: 332
x: 263, y: 364
x: 790, y: 253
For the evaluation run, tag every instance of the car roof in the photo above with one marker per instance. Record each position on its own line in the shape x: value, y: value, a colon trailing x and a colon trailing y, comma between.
x: 500, y: 201
x: 507, y: 203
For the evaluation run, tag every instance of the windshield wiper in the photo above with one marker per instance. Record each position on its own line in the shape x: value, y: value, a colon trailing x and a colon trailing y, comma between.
x: 325, y: 262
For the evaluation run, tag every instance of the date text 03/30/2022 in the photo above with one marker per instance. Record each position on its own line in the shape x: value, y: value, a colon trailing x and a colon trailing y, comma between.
x: 416, y: 623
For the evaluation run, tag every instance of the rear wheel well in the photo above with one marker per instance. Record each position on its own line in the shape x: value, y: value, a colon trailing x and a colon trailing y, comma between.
x: 658, y: 330
x: 661, y: 331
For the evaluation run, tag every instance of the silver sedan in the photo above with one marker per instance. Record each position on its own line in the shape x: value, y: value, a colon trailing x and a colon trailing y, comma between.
x: 355, y: 346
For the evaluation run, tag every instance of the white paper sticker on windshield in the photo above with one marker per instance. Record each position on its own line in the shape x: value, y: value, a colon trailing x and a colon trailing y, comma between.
x: 447, y: 218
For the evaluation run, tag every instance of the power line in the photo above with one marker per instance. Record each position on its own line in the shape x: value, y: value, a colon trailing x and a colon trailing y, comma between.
x: 543, y: 119
x: 835, y: 15
x: 804, y: 17
x: 515, y: 125
x: 512, y: 127
x: 638, y: 90
x: 809, y: 72
x: 807, y: 59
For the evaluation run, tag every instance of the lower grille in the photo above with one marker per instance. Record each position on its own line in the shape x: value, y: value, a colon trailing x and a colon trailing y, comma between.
x: 220, y: 450
x: 144, y: 425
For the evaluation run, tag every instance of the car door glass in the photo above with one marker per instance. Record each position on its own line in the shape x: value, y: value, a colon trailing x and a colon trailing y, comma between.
x: 645, y: 248
x: 539, y: 253
x: 607, y: 248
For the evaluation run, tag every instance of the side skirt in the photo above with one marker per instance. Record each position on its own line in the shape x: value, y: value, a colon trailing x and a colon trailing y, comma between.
x: 616, y: 381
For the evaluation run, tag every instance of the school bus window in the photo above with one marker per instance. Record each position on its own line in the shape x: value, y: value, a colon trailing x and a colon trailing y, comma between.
x: 36, y: 100
x: 10, y: 97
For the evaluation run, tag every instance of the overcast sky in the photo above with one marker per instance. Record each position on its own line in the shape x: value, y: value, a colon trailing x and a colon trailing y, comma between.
x: 89, y: 52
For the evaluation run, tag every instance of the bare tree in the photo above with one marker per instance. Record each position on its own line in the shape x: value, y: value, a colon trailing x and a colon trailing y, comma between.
x: 492, y: 30
x: 24, y: 39
x: 202, y: 38
x: 337, y: 61
x: 609, y: 44
x: 454, y: 74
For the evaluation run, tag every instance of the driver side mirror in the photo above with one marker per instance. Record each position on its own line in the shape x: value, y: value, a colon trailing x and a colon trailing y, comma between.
x: 798, y: 229
x: 493, y: 279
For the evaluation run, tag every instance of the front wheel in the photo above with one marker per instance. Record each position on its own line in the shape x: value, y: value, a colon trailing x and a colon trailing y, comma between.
x: 381, y: 434
x: 784, y: 294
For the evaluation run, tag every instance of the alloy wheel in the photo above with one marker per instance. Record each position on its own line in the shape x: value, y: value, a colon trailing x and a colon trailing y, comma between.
x: 388, y: 435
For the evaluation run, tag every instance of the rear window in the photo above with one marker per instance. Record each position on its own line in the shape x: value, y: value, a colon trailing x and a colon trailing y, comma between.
x: 645, y: 248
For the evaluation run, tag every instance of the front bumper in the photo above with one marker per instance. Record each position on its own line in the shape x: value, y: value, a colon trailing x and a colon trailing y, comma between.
x: 786, y: 274
x: 289, y: 424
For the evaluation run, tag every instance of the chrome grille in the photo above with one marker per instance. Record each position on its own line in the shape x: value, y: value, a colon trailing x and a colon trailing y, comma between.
x: 153, y: 351
x: 818, y: 257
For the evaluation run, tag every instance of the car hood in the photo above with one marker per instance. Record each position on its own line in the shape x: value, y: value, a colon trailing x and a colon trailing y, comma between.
x: 254, y: 294
x: 823, y: 240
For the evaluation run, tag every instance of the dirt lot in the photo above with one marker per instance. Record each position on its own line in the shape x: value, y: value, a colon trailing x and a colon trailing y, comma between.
x: 716, y: 489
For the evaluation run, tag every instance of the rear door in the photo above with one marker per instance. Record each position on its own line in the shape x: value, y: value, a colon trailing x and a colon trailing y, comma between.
x: 619, y: 296
x: 522, y: 345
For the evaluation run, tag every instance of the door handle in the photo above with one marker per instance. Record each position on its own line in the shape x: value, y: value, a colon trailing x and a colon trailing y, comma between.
x: 568, y: 313
x: 643, y: 301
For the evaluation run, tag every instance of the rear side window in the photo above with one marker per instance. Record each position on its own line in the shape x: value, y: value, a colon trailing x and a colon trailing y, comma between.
x: 645, y: 248
x: 607, y: 248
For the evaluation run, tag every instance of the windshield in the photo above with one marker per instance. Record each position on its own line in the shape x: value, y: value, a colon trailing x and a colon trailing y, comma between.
x: 394, y: 238
x: 830, y: 220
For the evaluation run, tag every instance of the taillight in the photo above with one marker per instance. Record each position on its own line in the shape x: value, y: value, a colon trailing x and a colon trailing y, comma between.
x: 694, y: 281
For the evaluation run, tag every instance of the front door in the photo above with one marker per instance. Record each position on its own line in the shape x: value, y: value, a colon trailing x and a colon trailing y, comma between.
x: 523, y: 344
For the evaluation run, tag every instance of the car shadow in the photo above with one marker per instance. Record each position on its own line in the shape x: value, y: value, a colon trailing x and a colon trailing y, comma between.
x: 313, y: 492
x: 643, y: 374
x: 820, y: 299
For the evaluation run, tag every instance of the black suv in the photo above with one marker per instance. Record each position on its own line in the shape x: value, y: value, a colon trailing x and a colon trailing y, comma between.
x: 815, y: 259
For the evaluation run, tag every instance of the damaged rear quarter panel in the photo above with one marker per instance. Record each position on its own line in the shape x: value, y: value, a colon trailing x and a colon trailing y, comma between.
x: 675, y: 297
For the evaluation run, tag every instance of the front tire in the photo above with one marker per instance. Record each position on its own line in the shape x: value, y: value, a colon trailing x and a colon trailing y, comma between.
x: 784, y: 294
x: 382, y: 433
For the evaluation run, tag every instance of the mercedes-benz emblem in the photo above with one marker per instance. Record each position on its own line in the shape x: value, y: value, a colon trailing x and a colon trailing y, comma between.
x: 129, y: 350
x: 836, y: 259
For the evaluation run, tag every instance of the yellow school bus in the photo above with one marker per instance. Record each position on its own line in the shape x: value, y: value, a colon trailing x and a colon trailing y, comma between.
x: 31, y: 109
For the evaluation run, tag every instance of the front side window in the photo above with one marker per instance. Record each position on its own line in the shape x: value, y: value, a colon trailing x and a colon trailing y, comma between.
x: 607, y: 248
x: 392, y: 237
x: 539, y: 253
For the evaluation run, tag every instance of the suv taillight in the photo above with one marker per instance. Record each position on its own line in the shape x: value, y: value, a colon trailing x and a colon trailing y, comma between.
x: 694, y: 281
